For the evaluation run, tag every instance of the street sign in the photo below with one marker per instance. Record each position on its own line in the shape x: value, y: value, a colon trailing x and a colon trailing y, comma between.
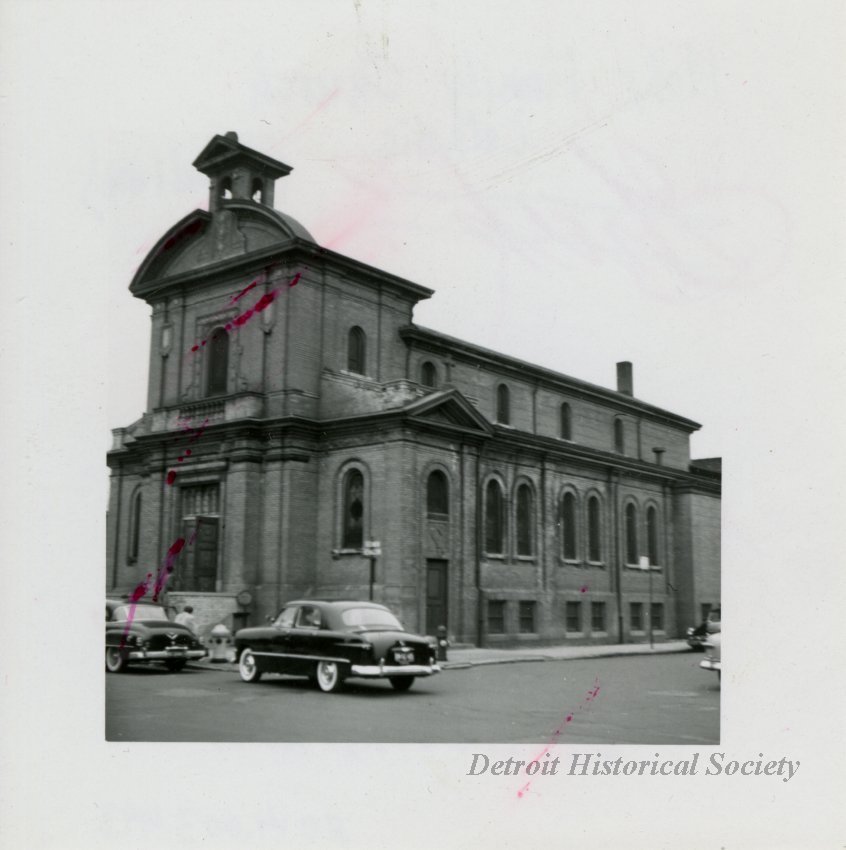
x: 372, y: 548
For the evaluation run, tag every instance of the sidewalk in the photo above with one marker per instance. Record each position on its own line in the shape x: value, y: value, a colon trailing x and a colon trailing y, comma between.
x: 462, y: 658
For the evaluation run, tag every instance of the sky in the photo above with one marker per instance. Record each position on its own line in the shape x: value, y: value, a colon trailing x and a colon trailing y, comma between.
x: 580, y: 183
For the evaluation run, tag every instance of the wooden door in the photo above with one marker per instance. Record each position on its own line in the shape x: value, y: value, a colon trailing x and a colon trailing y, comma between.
x: 436, y: 595
x: 205, y: 562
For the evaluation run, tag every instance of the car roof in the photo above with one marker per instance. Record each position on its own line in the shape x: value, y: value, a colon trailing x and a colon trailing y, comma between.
x: 336, y: 603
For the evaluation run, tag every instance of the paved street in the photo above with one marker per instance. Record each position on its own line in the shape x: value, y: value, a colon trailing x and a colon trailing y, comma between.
x: 665, y: 699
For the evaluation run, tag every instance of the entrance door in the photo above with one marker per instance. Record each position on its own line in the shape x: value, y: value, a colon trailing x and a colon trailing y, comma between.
x: 436, y: 595
x: 205, y: 563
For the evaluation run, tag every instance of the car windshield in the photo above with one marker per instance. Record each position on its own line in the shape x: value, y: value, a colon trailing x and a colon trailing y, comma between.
x: 142, y: 612
x: 370, y: 619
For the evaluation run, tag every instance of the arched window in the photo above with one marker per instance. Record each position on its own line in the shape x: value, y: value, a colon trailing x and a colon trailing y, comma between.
x: 356, y: 350
x: 503, y: 405
x: 428, y: 374
x: 134, y: 528
x: 568, y: 526
x: 257, y: 189
x: 619, y: 437
x: 525, y: 520
x: 494, y: 519
x: 226, y: 188
x: 353, y: 511
x: 218, y: 362
x: 566, y: 422
x: 631, y: 534
x: 594, y: 530
x: 437, y: 494
x: 652, y: 535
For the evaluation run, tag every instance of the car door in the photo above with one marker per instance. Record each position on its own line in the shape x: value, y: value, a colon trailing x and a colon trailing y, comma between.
x: 305, y: 645
x: 278, y: 658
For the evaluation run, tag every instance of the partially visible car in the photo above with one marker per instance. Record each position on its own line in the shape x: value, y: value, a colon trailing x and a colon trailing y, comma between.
x: 141, y: 633
x: 697, y: 635
x: 332, y: 641
x: 713, y: 654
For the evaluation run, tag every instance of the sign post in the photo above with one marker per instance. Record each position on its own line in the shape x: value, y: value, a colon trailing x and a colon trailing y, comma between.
x: 372, y: 550
x: 645, y: 565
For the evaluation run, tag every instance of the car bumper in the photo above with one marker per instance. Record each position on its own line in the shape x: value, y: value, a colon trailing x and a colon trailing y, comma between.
x: 378, y: 671
x: 709, y: 664
x: 164, y: 655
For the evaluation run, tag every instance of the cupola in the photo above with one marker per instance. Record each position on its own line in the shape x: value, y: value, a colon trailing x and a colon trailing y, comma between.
x: 238, y: 172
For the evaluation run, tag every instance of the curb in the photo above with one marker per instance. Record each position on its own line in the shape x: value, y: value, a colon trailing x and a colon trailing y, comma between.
x: 229, y: 666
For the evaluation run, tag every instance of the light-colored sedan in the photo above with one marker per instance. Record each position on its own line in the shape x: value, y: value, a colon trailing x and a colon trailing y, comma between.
x: 713, y: 654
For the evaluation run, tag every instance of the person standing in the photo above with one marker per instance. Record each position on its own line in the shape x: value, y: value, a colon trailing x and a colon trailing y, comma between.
x: 186, y: 618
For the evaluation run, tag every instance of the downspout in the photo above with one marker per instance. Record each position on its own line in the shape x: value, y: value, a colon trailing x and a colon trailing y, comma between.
x: 479, y: 531
x: 615, y: 518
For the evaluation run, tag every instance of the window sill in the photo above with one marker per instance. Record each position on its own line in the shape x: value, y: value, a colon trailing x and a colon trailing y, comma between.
x: 340, y: 553
x: 600, y: 564
x: 571, y: 562
x: 569, y: 634
x: 637, y: 568
x: 490, y: 557
x: 527, y: 558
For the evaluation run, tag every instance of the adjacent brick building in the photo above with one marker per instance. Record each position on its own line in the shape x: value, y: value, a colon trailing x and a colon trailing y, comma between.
x: 296, y: 413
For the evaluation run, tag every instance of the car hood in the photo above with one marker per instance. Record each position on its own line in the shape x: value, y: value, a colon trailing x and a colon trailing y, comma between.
x: 152, y: 627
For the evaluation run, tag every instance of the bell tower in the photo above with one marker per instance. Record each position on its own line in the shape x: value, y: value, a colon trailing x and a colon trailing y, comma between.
x: 237, y: 172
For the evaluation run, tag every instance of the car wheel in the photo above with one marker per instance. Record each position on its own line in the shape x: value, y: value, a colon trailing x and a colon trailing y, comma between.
x: 116, y: 659
x: 401, y: 683
x: 175, y: 665
x: 247, y: 666
x: 329, y: 678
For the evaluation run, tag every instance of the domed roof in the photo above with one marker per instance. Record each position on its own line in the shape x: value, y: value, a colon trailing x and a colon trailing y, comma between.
x: 236, y: 229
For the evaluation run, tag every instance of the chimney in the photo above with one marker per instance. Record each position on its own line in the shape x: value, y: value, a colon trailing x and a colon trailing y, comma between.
x: 625, y: 381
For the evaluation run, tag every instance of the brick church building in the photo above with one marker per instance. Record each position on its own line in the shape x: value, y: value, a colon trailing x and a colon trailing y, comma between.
x: 304, y: 437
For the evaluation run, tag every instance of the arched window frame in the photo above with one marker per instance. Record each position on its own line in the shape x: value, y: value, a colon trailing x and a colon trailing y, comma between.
x: 569, y: 506
x: 630, y: 536
x: 524, y: 519
x: 226, y: 188
x: 348, y: 538
x: 257, y: 188
x: 595, y: 539
x: 619, y: 436
x: 653, y: 535
x: 217, y: 362
x: 503, y: 405
x: 494, y: 518
x: 428, y: 374
x: 134, y: 538
x: 437, y: 500
x: 566, y: 422
x: 356, y: 351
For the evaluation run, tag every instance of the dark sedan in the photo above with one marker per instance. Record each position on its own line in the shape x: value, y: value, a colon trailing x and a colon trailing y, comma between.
x: 330, y: 641
x: 140, y: 633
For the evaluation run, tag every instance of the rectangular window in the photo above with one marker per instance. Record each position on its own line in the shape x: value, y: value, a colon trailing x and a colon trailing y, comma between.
x: 658, y: 616
x: 574, y: 616
x: 597, y: 616
x: 705, y: 608
x: 527, y: 618
x: 496, y: 616
x: 636, y: 616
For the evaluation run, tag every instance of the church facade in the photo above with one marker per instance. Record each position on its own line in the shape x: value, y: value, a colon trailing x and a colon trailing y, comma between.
x: 304, y: 437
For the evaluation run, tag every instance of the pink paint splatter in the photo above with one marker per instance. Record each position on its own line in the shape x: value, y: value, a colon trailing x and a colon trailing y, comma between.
x: 583, y: 589
x: 195, y: 434
x: 265, y: 301
x: 162, y: 575
x: 553, y: 740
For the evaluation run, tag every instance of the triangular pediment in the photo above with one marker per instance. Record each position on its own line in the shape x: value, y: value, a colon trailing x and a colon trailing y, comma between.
x: 448, y: 408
